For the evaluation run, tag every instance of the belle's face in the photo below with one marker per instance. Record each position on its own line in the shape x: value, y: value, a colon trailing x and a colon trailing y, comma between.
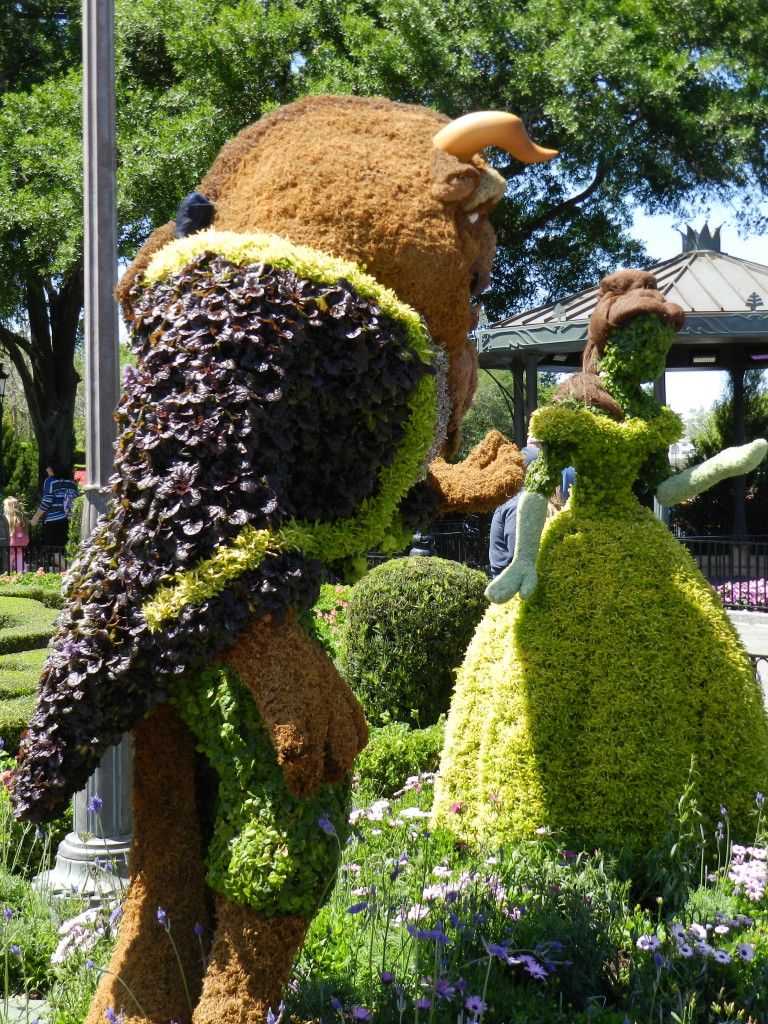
x: 638, y: 351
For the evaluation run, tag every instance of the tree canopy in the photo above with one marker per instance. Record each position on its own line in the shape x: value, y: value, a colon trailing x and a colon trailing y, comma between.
x: 652, y: 105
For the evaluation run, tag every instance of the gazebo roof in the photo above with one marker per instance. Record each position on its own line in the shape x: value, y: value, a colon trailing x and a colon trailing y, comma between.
x: 724, y: 299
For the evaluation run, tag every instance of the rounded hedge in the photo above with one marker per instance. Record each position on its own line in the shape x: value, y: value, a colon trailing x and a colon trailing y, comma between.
x: 408, y: 625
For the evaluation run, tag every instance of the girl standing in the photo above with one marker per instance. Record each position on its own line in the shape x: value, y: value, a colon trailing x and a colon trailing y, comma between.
x: 18, y: 526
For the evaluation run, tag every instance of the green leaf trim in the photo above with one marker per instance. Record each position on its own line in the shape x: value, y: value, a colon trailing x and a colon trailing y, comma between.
x: 320, y: 267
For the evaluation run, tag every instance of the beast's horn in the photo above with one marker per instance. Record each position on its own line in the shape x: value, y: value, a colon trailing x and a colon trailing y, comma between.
x: 469, y: 134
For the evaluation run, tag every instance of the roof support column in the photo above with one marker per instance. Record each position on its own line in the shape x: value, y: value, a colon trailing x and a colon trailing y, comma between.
x: 739, y: 436
x: 660, y: 395
x: 519, y: 418
x: 531, y: 386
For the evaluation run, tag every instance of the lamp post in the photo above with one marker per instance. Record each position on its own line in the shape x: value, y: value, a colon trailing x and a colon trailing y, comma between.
x: 103, y: 835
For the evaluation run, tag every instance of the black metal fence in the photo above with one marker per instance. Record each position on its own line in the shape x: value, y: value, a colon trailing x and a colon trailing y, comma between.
x: 736, y: 568
x: 31, y: 558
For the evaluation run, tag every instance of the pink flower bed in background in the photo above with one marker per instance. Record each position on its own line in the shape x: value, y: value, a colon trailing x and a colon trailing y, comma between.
x: 749, y: 592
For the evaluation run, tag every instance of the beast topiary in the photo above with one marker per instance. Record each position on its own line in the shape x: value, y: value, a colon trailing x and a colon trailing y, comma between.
x: 408, y: 625
x: 581, y: 707
x: 283, y: 408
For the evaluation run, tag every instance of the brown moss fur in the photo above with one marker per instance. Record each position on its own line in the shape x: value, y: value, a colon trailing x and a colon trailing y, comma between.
x: 314, y: 720
x: 623, y: 296
x: 353, y: 176
x: 250, y: 963
x: 492, y: 472
x: 166, y: 871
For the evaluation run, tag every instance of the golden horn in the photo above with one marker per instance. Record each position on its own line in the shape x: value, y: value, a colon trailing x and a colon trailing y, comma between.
x: 469, y: 134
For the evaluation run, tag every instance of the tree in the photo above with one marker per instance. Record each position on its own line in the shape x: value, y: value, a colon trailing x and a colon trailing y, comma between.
x: 657, y: 106
x: 493, y: 406
x: 711, y: 513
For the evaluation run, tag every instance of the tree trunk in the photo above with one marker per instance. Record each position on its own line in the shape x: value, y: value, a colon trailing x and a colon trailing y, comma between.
x: 44, y: 360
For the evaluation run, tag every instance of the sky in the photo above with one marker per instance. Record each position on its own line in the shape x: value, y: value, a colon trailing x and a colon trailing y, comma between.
x: 688, y: 392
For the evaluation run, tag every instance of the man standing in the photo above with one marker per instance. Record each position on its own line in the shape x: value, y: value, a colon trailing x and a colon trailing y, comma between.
x: 504, y: 522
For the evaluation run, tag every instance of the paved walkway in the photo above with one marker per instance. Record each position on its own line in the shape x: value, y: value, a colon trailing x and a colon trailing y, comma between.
x: 22, y: 1011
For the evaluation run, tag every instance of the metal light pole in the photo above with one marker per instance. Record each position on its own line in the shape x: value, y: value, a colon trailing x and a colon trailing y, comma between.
x: 105, y: 837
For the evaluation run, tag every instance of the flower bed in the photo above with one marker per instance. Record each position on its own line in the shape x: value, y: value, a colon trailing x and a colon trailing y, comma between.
x: 749, y: 594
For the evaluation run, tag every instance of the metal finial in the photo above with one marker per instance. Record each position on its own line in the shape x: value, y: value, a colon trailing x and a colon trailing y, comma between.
x: 696, y: 241
x: 754, y: 301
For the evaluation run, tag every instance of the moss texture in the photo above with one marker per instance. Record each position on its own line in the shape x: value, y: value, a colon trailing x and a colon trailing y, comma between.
x: 408, y: 624
x: 581, y: 708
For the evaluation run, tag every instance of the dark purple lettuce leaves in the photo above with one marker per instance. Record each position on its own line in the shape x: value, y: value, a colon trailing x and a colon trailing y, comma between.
x: 249, y: 404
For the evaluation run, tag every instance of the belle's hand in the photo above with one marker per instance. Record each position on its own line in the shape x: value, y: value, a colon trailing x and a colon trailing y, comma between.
x: 727, y: 463
x: 518, y: 578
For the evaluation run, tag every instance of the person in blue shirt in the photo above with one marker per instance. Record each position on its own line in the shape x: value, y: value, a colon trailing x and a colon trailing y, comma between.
x: 59, y: 493
x: 504, y: 522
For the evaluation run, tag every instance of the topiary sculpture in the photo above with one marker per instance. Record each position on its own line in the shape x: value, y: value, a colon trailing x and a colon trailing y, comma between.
x: 408, y: 625
x: 283, y: 403
x: 582, y: 706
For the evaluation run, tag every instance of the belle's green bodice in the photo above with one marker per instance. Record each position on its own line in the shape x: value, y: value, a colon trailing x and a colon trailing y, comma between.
x: 607, y: 455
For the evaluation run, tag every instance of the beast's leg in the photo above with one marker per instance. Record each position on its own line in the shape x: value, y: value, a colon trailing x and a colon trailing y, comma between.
x: 166, y: 872
x: 250, y: 963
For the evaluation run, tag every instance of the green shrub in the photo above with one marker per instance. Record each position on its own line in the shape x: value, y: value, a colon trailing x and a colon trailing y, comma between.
x: 20, y: 671
x: 24, y: 624
x: 324, y: 620
x: 408, y: 624
x: 29, y: 927
x: 14, y: 715
x: 75, y: 535
x: 46, y: 593
x: 395, y: 752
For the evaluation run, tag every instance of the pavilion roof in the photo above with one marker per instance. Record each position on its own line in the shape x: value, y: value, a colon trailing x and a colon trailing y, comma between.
x: 725, y: 299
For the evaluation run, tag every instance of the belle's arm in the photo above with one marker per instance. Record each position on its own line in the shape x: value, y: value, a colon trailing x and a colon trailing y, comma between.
x: 520, y: 575
x: 727, y: 463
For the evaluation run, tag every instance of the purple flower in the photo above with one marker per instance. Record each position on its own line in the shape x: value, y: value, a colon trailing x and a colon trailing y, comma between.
x: 532, y: 965
x: 494, y: 950
x: 357, y: 908
x: 648, y: 942
x: 387, y: 977
x: 444, y: 989
x: 745, y: 952
x: 327, y: 825
x: 162, y: 917
x: 475, y: 1004
x: 95, y: 804
x: 111, y: 1016
x: 199, y: 929
x: 721, y: 956
x: 658, y: 959
x: 7, y: 913
x: 359, y: 1013
x: 759, y: 800
x: 422, y: 1003
x: 89, y: 965
x: 115, y: 916
x: 336, y: 1004
x: 16, y: 950
x: 724, y: 813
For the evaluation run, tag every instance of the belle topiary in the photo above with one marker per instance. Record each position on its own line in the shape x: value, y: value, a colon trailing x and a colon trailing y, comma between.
x: 408, y: 625
x: 280, y: 417
x: 581, y: 706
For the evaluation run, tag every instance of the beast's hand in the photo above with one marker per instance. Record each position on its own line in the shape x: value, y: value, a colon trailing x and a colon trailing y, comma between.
x: 491, y: 473
x: 314, y: 720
